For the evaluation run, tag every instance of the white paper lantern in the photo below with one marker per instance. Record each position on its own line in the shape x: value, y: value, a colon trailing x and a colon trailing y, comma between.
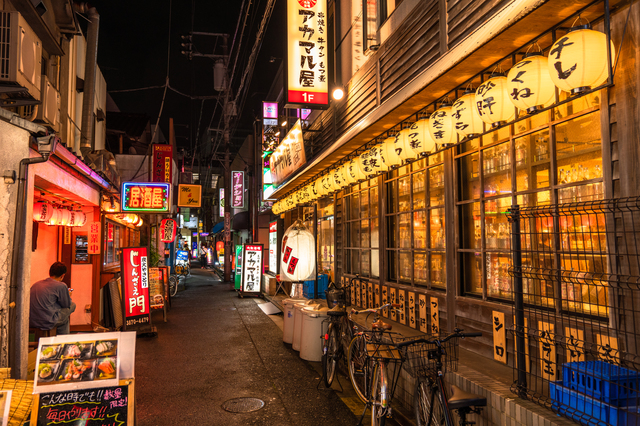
x: 339, y: 179
x: 327, y: 184
x: 392, y: 152
x: 64, y: 218
x: 493, y: 102
x: 42, y: 212
x: 377, y: 160
x: 364, y: 160
x: 529, y: 83
x: 420, y: 139
x: 466, y: 119
x: 318, y: 190
x: 354, y: 172
x: 578, y: 61
x: 298, y: 260
x: 441, y: 126
x: 54, y: 220
x: 78, y: 218
x: 408, y: 152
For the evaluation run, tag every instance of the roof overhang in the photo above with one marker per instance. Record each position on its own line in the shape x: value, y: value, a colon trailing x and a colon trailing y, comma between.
x: 514, y: 26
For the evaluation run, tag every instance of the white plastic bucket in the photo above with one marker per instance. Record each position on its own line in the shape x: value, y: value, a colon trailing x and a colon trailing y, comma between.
x: 287, y: 328
x: 297, y: 323
x: 313, y: 330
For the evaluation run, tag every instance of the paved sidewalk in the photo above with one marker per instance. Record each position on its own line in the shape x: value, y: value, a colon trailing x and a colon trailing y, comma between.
x: 216, y: 347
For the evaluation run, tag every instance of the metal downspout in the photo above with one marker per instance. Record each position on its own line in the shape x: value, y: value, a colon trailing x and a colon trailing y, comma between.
x: 91, y: 62
x: 18, y: 297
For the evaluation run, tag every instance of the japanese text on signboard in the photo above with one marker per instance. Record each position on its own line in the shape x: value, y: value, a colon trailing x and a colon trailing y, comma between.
x: 151, y: 197
x: 162, y: 158
x: 289, y: 155
x: 237, y: 192
x: 136, y: 285
x: 93, y: 245
x: 252, y: 269
x: 307, y: 79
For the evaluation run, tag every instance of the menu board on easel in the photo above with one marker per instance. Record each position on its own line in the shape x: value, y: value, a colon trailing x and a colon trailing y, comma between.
x: 251, y: 268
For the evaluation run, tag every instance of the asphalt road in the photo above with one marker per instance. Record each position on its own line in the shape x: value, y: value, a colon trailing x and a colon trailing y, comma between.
x: 216, y: 347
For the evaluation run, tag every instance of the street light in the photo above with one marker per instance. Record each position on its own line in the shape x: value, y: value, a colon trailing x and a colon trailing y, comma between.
x: 338, y: 93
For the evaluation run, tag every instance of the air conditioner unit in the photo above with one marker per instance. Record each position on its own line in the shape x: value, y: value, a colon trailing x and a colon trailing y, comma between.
x: 49, y: 111
x: 20, y: 61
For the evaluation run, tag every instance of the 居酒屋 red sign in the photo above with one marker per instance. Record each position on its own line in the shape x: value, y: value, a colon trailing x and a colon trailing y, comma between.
x: 168, y: 230
x: 135, y: 283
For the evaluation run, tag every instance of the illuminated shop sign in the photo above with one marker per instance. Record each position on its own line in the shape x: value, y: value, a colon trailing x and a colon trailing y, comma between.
x: 289, y: 156
x: 307, y: 65
x: 251, y: 268
x: 270, y: 110
x: 189, y: 195
x: 135, y: 282
x: 237, y: 191
x: 162, y: 162
x: 221, y: 202
x: 146, y: 197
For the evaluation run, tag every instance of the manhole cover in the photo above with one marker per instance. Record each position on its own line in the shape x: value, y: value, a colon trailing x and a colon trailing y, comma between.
x: 227, y: 309
x: 243, y: 405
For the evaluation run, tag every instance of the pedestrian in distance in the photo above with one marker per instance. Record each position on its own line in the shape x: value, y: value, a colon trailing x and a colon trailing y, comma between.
x: 51, y: 304
x: 203, y: 256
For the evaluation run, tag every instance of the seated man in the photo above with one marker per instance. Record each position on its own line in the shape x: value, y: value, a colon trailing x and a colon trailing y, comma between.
x: 51, y: 304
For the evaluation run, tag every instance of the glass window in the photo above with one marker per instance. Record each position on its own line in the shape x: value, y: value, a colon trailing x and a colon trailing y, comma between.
x: 416, y: 225
x: 112, y: 243
x: 363, y: 232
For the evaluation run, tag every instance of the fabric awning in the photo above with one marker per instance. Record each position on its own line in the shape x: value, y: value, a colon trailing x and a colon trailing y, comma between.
x: 218, y: 227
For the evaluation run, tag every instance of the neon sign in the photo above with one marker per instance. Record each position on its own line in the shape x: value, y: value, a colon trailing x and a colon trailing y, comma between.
x: 146, y: 197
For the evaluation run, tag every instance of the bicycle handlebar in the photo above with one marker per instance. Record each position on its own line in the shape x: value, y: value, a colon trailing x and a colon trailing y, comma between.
x: 457, y: 333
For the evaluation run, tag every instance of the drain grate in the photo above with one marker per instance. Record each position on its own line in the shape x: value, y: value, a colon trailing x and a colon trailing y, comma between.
x: 243, y: 405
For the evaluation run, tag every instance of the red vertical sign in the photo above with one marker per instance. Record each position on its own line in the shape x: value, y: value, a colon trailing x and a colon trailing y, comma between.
x: 162, y: 162
x: 135, y: 283
x: 237, y: 191
x: 93, y: 247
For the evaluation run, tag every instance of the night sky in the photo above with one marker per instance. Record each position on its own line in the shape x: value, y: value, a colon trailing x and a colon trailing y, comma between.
x: 132, y: 53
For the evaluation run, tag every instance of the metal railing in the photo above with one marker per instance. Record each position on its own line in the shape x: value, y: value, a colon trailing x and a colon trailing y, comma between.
x: 576, y: 288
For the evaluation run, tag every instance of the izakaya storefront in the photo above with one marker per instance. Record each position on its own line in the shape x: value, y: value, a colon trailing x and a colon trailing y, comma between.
x: 431, y: 230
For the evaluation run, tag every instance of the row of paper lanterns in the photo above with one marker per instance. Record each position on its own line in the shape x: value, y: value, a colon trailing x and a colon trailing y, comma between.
x: 576, y: 63
x: 49, y: 214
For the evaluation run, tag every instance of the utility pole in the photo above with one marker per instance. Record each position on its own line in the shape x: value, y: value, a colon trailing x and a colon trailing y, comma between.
x: 227, y: 168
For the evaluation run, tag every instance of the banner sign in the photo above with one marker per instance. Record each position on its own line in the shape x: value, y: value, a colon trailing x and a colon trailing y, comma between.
x: 162, y: 162
x: 251, y: 268
x: 146, y: 197
x: 158, y: 283
x: 273, y: 247
x: 189, y: 196
x: 307, y: 60
x: 93, y: 246
x: 237, y: 191
x: 270, y: 110
x: 109, y: 232
x: 168, y: 229
x: 135, y: 283
x: 221, y: 202
x: 289, y: 156
x: 227, y: 226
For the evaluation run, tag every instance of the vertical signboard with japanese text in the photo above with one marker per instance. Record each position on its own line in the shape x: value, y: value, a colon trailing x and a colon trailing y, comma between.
x: 251, y: 268
x: 307, y: 82
x: 135, y: 283
x: 93, y: 246
x: 237, y: 190
x: 273, y: 247
x: 221, y: 202
x: 162, y: 163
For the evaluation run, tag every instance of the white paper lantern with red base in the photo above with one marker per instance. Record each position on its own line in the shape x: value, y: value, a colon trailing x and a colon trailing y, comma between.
x: 298, y: 254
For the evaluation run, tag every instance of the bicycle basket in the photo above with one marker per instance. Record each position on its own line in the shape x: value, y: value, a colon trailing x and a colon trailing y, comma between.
x: 335, y: 297
x: 421, y: 357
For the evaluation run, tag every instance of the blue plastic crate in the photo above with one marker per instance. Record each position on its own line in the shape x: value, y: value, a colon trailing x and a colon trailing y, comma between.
x: 606, y: 382
x: 323, y: 283
x: 583, y: 408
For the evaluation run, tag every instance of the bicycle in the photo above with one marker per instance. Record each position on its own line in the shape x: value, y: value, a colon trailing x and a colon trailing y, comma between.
x: 425, y: 362
x: 340, y: 331
x: 173, y: 279
x: 371, y: 354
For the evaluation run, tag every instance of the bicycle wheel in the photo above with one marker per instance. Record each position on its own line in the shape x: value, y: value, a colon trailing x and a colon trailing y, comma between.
x: 378, y: 411
x: 330, y: 355
x: 173, y: 285
x: 425, y: 393
x: 359, y: 367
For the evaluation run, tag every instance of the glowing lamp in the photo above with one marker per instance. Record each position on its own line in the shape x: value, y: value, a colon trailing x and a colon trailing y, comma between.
x: 339, y: 179
x: 354, y: 171
x: 578, y: 61
x: 327, y: 184
x: 392, y: 153
x: 55, y: 218
x: 298, y: 254
x: 42, y: 212
x: 364, y: 161
x: 441, y: 126
x: 529, y: 84
x: 64, y: 217
x: 78, y: 218
x: 466, y: 118
x: 492, y: 102
x: 168, y: 229
x: 408, y: 151
x: 315, y: 190
x: 376, y: 159
x: 420, y: 139
x: 140, y: 222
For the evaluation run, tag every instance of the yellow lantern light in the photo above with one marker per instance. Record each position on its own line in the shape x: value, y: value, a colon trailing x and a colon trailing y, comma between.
x: 466, y: 118
x: 529, y: 84
x: 364, y: 160
x: 327, y: 184
x: 392, y: 156
x: 578, y: 61
x: 140, y: 222
x: 408, y: 152
x: 54, y: 220
x: 313, y: 191
x: 376, y: 159
x: 318, y: 188
x: 441, y: 126
x: 345, y: 174
x: 339, y: 179
x: 492, y: 101
x: 354, y: 172
x: 64, y: 217
x: 420, y: 139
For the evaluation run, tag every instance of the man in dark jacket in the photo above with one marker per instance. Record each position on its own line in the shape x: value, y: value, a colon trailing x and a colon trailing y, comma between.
x: 51, y: 304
